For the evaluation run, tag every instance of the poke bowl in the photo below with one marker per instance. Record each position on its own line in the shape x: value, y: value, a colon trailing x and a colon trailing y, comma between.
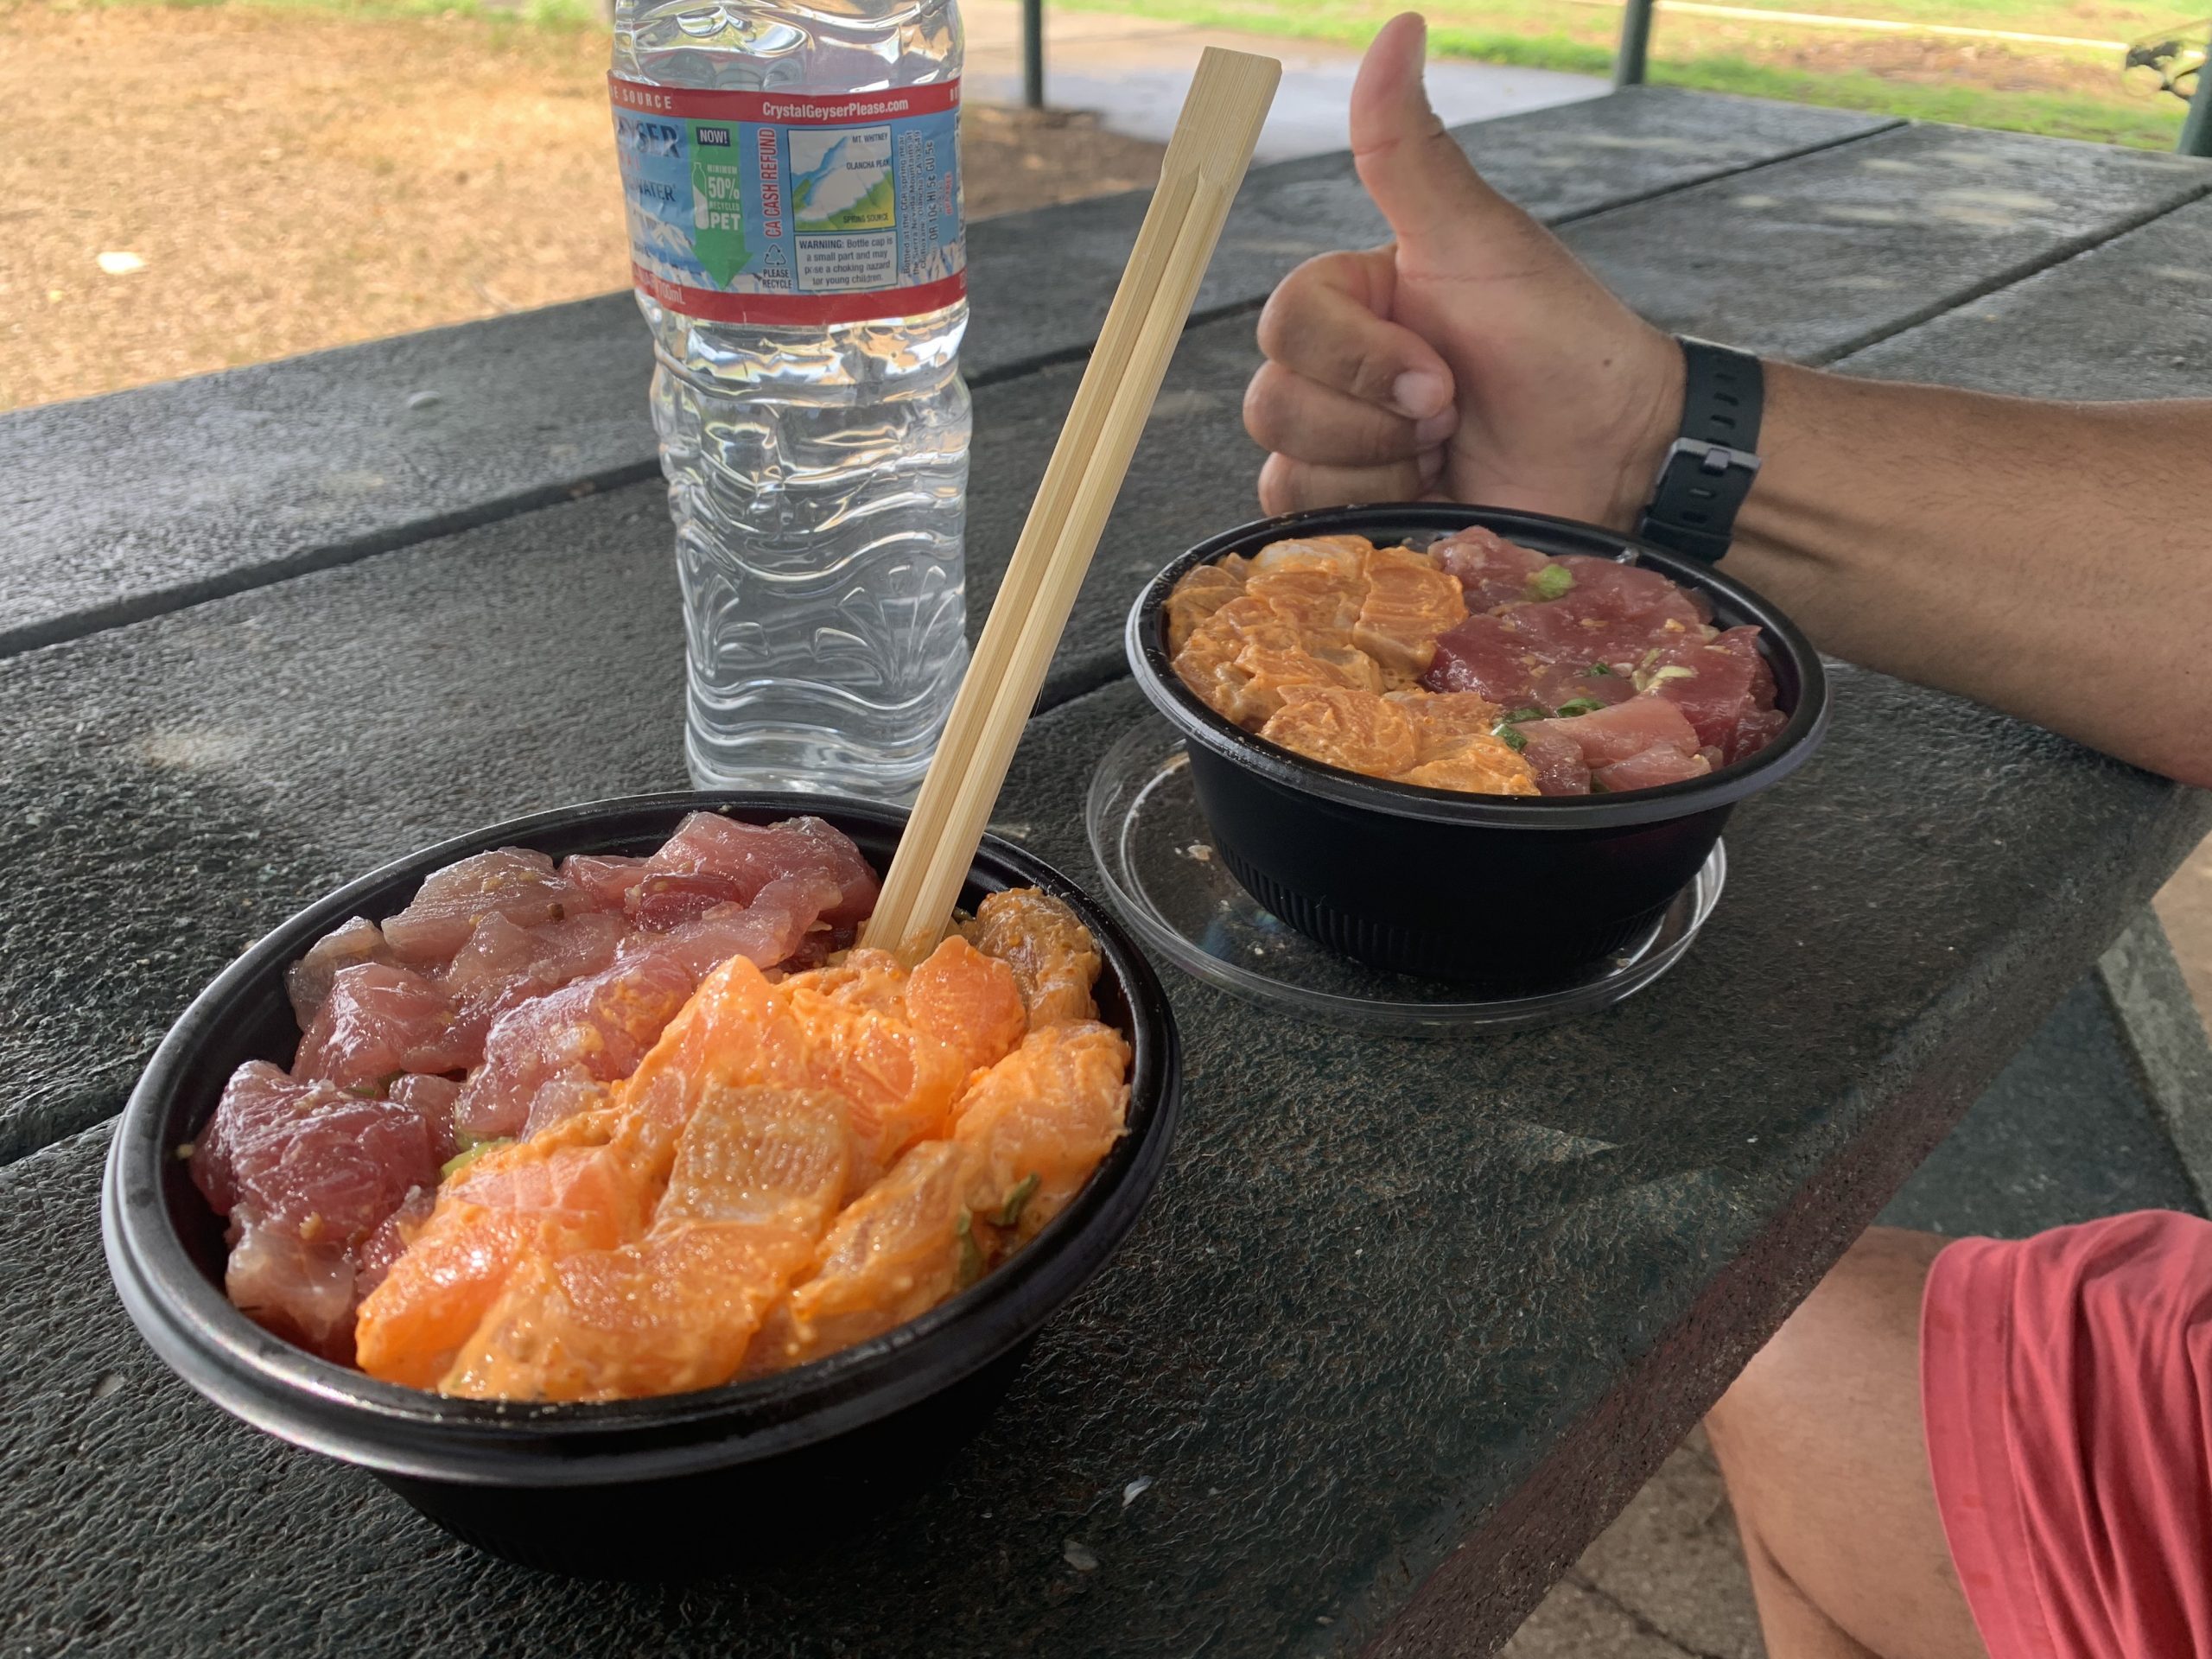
x: 675, y: 1483
x: 1512, y: 892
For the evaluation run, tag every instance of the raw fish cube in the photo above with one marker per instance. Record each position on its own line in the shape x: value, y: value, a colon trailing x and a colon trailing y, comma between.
x: 1027, y: 1136
x: 379, y: 1022
x: 1489, y: 768
x: 1409, y: 602
x: 1661, y: 763
x: 671, y: 1313
x: 509, y: 881
x: 605, y: 876
x: 1054, y: 959
x: 569, y: 1188
x: 307, y: 981
x: 1357, y: 731
x: 1555, y: 757
x: 751, y: 855
x: 1198, y: 596
x: 1491, y: 570
x: 306, y: 1175
x: 968, y: 1002
x: 1626, y: 728
x: 542, y: 1059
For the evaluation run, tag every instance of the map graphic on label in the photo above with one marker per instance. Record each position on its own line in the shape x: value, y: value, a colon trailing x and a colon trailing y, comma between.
x: 785, y: 207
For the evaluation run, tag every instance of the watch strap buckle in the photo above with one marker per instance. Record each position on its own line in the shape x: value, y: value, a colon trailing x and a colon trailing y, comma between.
x: 1707, y: 472
x: 1713, y: 459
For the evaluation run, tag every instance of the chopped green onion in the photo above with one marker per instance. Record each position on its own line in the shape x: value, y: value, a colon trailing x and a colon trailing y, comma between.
x: 1599, y: 671
x: 1579, y: 706
x: 469, y: 1154
x: 1551, y: 582
x: 1503, y: 731
x: 1017, y: 1200
x: 971, y: 1254
x: 1646, y: 678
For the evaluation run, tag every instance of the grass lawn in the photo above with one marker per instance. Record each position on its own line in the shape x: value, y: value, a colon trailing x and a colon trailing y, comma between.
x: 2067, y: 91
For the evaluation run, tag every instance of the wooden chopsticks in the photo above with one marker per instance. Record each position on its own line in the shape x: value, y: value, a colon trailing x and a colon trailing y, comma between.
x: 1206, y: 162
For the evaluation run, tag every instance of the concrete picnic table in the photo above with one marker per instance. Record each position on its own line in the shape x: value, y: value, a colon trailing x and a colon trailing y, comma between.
x: 1409, y: 1320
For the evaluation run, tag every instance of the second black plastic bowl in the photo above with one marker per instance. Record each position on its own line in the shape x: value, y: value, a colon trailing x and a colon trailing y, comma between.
x: 1505, y: 891
x: 641, y: 1487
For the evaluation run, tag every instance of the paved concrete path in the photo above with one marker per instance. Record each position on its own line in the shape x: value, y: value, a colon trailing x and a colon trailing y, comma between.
x: 1133, y: 72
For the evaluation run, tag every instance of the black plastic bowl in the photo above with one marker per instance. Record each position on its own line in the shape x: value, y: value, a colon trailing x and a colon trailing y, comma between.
x: 669, y: 1485
x: 1505, y: 890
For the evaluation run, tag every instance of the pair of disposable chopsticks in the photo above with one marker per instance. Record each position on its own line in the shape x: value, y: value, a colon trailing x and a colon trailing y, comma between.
x: 1205, y: 163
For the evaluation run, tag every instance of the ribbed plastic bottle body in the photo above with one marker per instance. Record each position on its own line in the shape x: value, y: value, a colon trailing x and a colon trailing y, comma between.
x: 817, y: 472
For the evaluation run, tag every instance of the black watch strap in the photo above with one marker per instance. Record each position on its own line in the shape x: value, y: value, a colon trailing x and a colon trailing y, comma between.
x: 1708, y: 470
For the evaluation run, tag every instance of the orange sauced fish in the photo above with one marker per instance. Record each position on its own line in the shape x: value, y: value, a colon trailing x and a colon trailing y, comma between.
x: 970, y: 1001
x: 757, y: 1176
x: 1408, y: 603
x: 1594, y: 675
x: 899, y: 1081
x: 1028, y: 1133
x: 575, y: 1185
x: 1457, y: 746
x: 792, y: 1168
x: 1356, y: 730
x: 1055, y: 961
x: 1038, y: 1125
x: 1199, y: 594
x: 865, y: 978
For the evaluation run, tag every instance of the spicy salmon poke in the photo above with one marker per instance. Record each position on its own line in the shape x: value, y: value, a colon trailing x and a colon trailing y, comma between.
x: 618, y: 1127
x: 1474, y: 664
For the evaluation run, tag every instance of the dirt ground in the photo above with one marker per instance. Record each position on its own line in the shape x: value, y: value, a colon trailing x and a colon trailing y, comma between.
x: 1993, y: 66
x: 285, y: 181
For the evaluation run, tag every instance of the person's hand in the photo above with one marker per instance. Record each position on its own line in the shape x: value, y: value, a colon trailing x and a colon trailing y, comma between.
x: 1472, y: 359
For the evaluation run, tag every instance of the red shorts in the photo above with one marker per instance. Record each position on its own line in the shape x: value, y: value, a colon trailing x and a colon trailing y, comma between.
x: 2066, y: 1388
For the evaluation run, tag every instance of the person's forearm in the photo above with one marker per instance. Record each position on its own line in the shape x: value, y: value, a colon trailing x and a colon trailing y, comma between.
x: 2052, y: 560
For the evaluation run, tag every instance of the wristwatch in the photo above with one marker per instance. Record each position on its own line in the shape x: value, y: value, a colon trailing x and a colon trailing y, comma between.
x: 1708, y: 470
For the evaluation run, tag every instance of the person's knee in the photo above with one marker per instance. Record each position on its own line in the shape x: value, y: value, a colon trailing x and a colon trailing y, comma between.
x: 1862, y: 1306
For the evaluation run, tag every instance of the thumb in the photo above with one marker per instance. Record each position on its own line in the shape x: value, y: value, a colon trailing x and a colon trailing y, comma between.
x: 1419, y: 177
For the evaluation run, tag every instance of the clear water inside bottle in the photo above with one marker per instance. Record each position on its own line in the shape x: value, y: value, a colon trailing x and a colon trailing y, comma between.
x: 817, y: 476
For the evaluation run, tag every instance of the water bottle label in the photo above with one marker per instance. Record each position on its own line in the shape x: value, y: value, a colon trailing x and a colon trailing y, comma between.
x: 782, y: 207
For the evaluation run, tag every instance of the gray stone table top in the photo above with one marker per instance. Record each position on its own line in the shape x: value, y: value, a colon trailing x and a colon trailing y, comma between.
x: 1404, y: 1313
x: 1410, y: 1318
x: 2136, y: 313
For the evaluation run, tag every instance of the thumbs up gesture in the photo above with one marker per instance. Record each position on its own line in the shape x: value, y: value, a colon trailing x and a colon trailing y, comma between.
x: 1471, y: 359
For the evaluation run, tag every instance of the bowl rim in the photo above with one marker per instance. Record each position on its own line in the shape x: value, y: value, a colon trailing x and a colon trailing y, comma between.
x: 396, y: 1430
x: 1144, y: 644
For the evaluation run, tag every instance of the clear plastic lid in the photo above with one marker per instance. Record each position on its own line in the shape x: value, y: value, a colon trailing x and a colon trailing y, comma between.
x: 1163, y: 875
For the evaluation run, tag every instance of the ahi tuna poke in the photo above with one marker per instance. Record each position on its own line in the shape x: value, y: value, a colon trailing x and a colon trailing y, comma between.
x: 1474, y: 664
x: 624, y: 1126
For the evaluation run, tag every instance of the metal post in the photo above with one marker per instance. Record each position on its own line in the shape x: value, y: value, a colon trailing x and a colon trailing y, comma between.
x: 1635, y: 41
x: 1033, y: 54
x: 2196, y: 130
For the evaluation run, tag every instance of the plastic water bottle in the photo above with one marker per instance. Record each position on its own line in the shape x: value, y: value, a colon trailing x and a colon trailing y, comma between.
x: 794, y: 187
